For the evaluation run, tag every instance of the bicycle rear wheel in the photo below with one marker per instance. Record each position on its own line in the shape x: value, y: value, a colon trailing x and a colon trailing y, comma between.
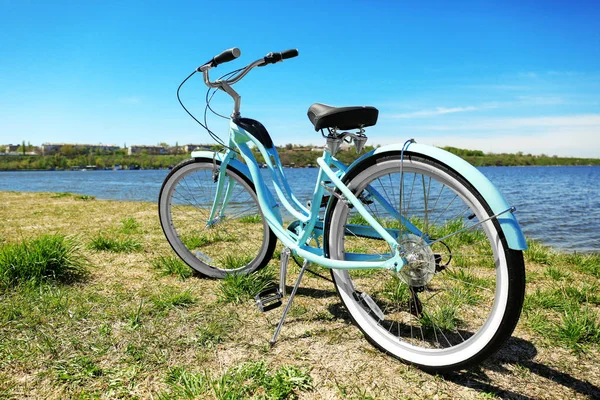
x: 237, y: 240
x: 459, y: 296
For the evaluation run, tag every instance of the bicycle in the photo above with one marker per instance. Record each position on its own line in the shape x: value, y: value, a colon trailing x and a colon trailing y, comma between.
x: 424, y: 252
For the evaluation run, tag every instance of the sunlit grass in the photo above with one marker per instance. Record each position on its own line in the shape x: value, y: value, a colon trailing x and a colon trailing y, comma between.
x: 130, y: 226
x: 252, y: 379
x: 205, y: 238
x: 172, y: 266
x: 236, y: 260
x: 251, y: 219
x: 579, y: 326
x: 537, y: 253
x: 171, y: 298
x: 43, y: 259
x: 444, y: 317
x: 237, y: 288
x: 115, y: 244
x: 135, y: 321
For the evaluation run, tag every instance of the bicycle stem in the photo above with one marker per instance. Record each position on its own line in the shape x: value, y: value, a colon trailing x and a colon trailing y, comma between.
x: 225, y: 85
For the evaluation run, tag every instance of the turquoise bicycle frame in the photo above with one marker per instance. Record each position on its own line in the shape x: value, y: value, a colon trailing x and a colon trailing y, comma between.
x: 308, y: 225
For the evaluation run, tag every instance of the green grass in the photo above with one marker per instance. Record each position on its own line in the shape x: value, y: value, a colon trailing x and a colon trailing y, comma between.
x: 579, y: 326
x: 251, y: 219
x: 216, y: 327
x: 172, y: 298
x: 556, y: 273
x: 130, y: 226
x: 444, y: 318
x: 546, y: 299
x: 236, y: 260
x: 237, y: 288
x: 61, y: 195
x: 586, y: 293
x: 571, y: 321
x: 115, y: 244
x: 561, y: 298
x: 172, y: 266
x: 249, y: 380
x: 139, y: 327
x: 467, y: 278
x: 396, y: 291
x: 196, y: 240
x: 357, y: 219
x: 77, y: 369
x: 537, y: 253
x: 135, y: 317
x: 84, y: 197
x: 464, y: 295
x: 48, y: 258
x: 584, y: 263
x: 564, y: 310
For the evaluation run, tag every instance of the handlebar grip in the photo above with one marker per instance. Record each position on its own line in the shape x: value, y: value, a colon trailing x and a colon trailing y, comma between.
x: 272, y: 58
x: 291, y: 53
x: 226, y: 56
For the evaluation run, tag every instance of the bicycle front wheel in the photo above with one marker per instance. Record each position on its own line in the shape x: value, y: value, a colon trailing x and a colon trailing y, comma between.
x: 236, y: 240
x: 459, y: 296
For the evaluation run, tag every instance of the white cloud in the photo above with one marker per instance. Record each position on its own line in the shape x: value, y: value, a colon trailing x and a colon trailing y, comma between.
x: 434, y: 112
x: 565, y: 144
x: 591, y: 121
x: 573, y: 136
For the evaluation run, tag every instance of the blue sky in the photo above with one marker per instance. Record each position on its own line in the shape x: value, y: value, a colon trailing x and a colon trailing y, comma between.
x: 517, y: 76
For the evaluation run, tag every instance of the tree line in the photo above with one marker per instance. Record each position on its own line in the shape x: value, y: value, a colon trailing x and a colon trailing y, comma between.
x: 290, y: 155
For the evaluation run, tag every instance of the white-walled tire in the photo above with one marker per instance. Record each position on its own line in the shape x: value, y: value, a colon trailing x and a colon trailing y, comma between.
x: 458, y: 299
x: 238, y: 241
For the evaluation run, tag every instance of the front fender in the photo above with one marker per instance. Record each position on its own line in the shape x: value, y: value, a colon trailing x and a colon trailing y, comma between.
x: 239, y: 166
x: 508, y: 223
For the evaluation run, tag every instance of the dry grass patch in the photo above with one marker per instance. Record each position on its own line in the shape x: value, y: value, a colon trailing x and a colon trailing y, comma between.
x: 140, y: 326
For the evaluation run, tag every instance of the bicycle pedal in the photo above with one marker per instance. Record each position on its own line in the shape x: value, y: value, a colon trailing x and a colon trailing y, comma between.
x: 268, y: 299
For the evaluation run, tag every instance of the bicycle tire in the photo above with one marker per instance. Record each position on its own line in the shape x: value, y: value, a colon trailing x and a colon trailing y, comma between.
x: 239, y: 240
x: 425, y: 309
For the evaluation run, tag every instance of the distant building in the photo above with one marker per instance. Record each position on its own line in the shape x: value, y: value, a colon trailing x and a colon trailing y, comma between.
x: 148, y: 149
x: 188, y: 148
x: 17, y: 150
x: 53, y: 148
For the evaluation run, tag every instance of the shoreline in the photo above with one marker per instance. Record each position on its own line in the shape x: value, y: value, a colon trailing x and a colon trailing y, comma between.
x: 286, y: 167
x: 87, y: 197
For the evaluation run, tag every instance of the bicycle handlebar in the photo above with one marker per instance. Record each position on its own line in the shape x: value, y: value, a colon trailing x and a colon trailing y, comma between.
x: 232, y: 54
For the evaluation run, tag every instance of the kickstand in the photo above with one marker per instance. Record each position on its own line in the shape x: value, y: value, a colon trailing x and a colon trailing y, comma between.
x: 289, y: 303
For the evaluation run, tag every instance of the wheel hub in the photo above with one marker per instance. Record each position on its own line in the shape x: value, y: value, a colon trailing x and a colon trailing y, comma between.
x: 420, y: 261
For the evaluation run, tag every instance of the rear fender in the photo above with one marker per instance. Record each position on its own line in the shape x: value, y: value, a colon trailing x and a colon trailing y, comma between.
x: 508, y: 222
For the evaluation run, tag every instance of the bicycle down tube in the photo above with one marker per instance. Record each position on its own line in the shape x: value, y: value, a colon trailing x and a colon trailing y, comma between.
x: 309, y: 217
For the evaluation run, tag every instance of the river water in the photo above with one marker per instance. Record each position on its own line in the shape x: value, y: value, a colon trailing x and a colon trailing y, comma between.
x: 560, y: 206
